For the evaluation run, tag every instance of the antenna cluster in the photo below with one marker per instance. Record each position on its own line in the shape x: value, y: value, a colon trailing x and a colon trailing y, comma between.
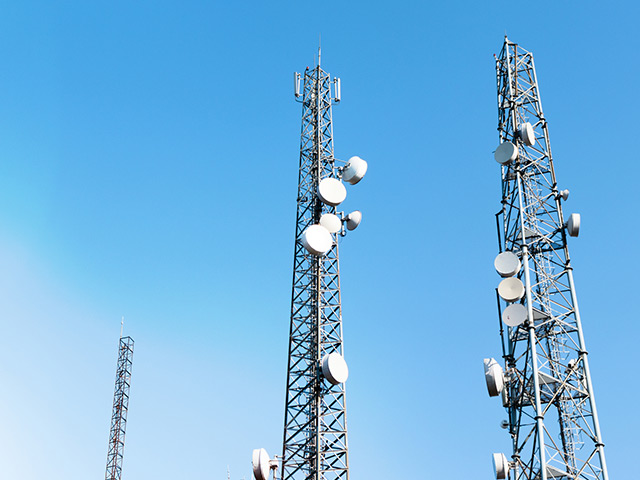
x: 545, y: 384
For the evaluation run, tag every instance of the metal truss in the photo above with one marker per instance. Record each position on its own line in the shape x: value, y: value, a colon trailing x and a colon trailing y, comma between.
x: 120, y: 407
x: 548, y: 393
x: 315, y: 425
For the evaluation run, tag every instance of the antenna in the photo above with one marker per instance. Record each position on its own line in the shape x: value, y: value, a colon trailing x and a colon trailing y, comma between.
x: 315, y: 423
x: 546, y: 387
x: 120, y: 407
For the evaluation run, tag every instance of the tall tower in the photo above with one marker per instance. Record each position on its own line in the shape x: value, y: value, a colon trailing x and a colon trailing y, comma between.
x: 315, y: 423
x: 120, y: 407
x: 546, y: 384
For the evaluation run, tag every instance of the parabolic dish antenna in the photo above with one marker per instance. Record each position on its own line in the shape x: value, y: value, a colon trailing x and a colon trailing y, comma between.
x: 260, y: 462
x: 506, y: 153
x: 354, y: 219
x: 334, y: 368
x: 331, y: 191
x: 514, y: 315
x: 494, y: 376
x: 500, y: 465
x: 511, y: 289
x: 331, y: 222
x: 317, y: 240
x: 527, y: 135
x: 354, y: 170
x: 573, y: 224
x: 507, y: 264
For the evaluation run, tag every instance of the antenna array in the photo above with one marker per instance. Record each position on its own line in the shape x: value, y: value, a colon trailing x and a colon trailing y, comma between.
x: 546, y: 384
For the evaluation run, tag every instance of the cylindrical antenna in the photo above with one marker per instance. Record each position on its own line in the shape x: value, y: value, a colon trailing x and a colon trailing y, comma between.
x: 336, y: 88
x: 296, y: 84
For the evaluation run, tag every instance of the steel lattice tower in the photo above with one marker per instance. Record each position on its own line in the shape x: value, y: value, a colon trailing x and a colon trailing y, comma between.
x: 548, y: 390
x: 120, y: 407
x: 315, y: 425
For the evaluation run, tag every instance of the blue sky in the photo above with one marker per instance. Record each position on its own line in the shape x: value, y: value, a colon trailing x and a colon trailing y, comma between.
x: 148, y: 168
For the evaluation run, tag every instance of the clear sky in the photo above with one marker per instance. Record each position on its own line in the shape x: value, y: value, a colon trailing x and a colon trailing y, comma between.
x: 148, y: 168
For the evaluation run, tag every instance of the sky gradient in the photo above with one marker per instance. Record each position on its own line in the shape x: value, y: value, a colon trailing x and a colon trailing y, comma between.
x: 148, y: 169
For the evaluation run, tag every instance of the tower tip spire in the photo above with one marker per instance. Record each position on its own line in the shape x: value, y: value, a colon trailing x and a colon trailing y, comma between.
x: 121, y: 326
x: 319, y: 47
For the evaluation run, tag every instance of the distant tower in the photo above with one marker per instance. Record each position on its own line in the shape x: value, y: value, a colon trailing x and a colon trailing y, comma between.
x: 120, y: 407
x: 546, y: 384
x: 315, y: 424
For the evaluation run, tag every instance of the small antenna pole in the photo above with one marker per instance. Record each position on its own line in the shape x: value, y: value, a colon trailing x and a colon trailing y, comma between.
x: 121, y: 326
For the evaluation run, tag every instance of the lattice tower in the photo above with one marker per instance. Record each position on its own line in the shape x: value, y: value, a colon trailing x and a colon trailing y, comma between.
x: 548, y: 390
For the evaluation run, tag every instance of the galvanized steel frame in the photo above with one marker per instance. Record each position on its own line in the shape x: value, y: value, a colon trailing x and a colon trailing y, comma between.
x: 120, y: 408
x: 548, y: 395
x: 315, y: 426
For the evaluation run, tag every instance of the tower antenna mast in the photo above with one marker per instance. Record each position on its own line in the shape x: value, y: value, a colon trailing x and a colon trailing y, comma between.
x: 315, y: 423
x: 120, y: 407
x: 546, y: 383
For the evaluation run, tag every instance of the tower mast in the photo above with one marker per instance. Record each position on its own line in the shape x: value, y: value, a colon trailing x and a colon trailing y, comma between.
x: 547, y: 391
x: 315, y: 425
x: 120, y: 407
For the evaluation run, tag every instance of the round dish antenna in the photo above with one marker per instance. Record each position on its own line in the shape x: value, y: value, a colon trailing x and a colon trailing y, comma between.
x: 331, y: 191
x: 354, y: 170
x: 506, y: 153
x: 317, y: 240
x: 514, y: 315
x: 494, y: 376
x: 511, y: 289
x: 331, y: 222
x: 507, y: 264
x: 260, y: 462
x: 504, y: 424
x: 573, y: 224
x: 334, y: 368
x: 500, y: 465
x: 564, y: 195
x: 354, y: 219
x: 527, y: 135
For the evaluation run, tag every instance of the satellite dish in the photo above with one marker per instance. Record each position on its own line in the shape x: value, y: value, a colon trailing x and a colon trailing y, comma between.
x: 504, y: 424
x: 317, y: 240
x: 514, y: 315
x: 331, y: 191
x: 354, y: 170
x: 507, y: 264
x: 506, y: 153
x: 573, y: 224
x: 334, y: 368
x: 527, y: 135
x: 511, y: 289
x: 564, y: 194
x: 500, y: 465
x: 331, y: 222
x: 494, y: 376
x: 260, y: 461
x: 354, y: 219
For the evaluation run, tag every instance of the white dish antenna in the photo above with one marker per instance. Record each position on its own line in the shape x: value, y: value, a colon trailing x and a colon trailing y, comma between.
x: 354, y: 219
x: 494, y: 376
x: 506, y: 153
x: 514, y: 315
x: 511, y: 289
x: 331, y: 191
x: 507, y: 264
x: 331, y: 222
x: 354, y: 170
x: 334, y: 368
x: 527, y: 135
x: 500, y: 466
x: 573, y: 224
x: 564, y: 194
x: 260, y: 462
x: 317, y: 240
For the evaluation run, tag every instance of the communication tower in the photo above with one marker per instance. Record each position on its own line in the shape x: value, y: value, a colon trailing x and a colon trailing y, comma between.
x: 120, y: 407
x: 545, y: 385
x: 315, y: 424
